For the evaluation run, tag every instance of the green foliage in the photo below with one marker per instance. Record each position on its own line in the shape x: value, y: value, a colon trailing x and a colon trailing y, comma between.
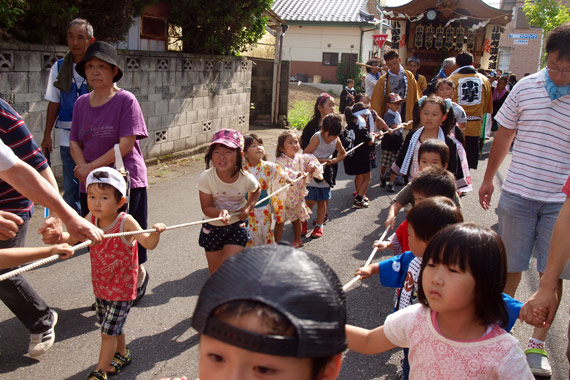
x: 218, y: 26
x: 300, y: 114
x: 546, y: 14
x: 346, y: 71
x: 45, y: 21
x: 12, y: 10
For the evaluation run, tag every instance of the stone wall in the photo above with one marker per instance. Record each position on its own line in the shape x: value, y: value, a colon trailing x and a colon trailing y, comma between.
x: 184, y: 98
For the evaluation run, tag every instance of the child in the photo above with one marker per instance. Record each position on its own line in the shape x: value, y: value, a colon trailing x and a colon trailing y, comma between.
x: 114, y: 265
x: 270, y: 177
x: 456, y: 331
x: 436, y: 117
x: 296, y: 165
x: 357, y: 163
x: 392, y: 141
x: 271, y: 312
x: 104, y: 117
x: 322, y: 145
x: 223, y: 189
x: 347, y: 95
x: 374, y: 125
x: 431, y: 182
x: 431, y: 152
x: 324, y: 105
x: 402, y: 271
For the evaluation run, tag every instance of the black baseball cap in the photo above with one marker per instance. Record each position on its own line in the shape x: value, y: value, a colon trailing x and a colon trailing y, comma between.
x: 299, y: 285
x: 105, y: 52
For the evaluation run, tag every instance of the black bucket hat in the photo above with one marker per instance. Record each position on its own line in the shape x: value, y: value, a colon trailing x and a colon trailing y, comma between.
x: 299, y: 285
x: 105, y: 52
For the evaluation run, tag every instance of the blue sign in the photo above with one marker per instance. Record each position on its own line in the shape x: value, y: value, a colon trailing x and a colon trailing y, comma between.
x: 527, y: 36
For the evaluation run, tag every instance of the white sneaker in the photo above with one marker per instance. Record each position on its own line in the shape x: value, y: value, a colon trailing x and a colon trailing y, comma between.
x: 40, y: 343
x: 538, y: 362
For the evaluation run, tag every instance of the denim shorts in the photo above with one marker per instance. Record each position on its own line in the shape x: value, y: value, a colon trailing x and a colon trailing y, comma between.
x: 318, y: 193
x: 526, y: 226
x: 213, y: 238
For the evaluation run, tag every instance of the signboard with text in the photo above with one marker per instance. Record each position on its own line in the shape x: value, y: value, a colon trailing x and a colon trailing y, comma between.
x: 380, y: 39
x: 528, y: 36
x: 520, y: 42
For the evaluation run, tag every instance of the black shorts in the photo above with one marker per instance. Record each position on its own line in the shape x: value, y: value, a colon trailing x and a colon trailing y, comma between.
x: 213, y: 238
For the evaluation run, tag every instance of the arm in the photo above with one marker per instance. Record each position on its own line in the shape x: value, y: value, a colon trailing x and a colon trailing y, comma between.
x: 313, y: 144
x: 47, y: 173
x: 82, y: 169
x: 367, y: 271
x: 207, y: 204
x: 499, y: 150
x: 369, y: 342
x: 341, y: 153
x: 51, y: 117
x: 558, y: 256
x: 392, y: 212
x: 252, y: 199
x: 149, y: 240
x: 12, y: 257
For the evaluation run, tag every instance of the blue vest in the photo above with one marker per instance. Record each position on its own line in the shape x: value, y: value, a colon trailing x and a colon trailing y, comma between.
x: 67, y: 99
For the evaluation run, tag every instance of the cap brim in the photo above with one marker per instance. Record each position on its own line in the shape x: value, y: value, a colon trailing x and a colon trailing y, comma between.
x: 80, y: 67
x: 225, y: 143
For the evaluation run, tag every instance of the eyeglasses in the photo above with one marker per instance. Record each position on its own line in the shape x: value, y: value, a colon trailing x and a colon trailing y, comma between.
x: 558, y: 71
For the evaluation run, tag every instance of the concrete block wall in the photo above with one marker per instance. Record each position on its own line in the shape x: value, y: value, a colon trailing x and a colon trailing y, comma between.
x: 184, y: 98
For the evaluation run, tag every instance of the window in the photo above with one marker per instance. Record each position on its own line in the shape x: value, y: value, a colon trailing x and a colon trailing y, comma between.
x: 153, y: 27
x: 349, y: 58
x: 330, y: 59
x: 504, y: 59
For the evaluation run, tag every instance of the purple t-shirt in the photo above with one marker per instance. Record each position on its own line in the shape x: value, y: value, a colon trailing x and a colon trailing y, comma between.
x: 98, y: 129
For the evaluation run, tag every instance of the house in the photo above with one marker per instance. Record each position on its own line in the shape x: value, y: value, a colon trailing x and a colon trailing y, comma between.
x: 324, y: 33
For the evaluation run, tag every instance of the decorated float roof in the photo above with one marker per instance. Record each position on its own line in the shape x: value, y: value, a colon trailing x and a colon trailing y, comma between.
x: 320, y: 11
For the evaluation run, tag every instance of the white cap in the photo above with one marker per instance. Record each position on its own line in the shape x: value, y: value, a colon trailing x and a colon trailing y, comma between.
x: 109, y: 176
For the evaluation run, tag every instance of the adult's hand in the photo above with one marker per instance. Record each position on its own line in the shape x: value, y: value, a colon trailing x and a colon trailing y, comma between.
x: 47, y: 144
x: 485, y: 193
x: 81, y: 171
x: 541, y: 302
x: 9, y: 225
x: 80, y: 229
x: 51, y: 230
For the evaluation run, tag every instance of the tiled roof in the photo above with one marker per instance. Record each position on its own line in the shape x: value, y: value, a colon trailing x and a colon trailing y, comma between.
x: 343, y: 11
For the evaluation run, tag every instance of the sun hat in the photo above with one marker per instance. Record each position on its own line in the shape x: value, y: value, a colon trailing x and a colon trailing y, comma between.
x: 228, y: 137
x: 105, y: 52
x: 109, y: 176
x: 299, y: 285
x: 394, y: 98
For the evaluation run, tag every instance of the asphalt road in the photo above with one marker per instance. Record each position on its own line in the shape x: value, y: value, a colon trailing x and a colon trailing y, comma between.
x: 158, y: 330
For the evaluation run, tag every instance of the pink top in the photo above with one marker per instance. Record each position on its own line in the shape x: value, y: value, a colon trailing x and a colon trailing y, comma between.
x: 566, y: 187
x: 114, y: 264
x: 496, y: 355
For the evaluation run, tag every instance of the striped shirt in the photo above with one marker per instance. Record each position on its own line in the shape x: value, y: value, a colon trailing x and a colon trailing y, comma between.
x: 541, y: 153
x: 15, y: 134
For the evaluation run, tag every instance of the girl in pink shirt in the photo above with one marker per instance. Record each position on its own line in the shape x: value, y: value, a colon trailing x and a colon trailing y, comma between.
x: 456, y: 331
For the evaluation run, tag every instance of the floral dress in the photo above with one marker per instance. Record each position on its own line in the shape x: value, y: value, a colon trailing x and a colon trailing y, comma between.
x: 295, y: 207
x: 271, y: 177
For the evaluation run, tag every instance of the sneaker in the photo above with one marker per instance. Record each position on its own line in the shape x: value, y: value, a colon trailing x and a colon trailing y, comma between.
x: 317, y: 232
x: 390, y: 187
x: 40, y: 343
x: 304, y: 227
x: 538, y: 362
x: 365, y: 199
x: 399, y: 181
x: 360, y: 204
x: 382, y: 182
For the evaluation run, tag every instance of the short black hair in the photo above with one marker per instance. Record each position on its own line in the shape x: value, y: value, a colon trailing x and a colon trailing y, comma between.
x: 435, y: 146
x: 248, y: 141
x: 434, y: 181
x: 558, y: 41
x: 391, y: 54
x: 431, y: 215
x: 332, y: 123
x: 372, y: 62
x: 464, y: 59
x: 239, y: 162
x: 479, y: 251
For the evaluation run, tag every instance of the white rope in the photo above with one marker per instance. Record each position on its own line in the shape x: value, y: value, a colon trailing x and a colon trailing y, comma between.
x: 87, y: 243
x: 358, y: 278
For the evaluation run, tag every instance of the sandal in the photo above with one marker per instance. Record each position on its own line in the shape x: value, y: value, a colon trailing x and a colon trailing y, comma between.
x: 97, y: 375
x: 119, y: 362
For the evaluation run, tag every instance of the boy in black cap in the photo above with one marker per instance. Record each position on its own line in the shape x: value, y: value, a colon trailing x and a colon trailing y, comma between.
x: 273, y: 310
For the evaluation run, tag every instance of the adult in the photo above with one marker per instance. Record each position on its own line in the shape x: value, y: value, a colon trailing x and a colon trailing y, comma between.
x: 373, y: 70
x: 474, y: 95
x: 500, y: 94
x: 536, y: 116
x: 512, y: 81
x: 447, y: 67
x: 107, y: 116
x: 64, y: 86
x: 16, y: 293
x: 399, y: 81
x: 413, y: 64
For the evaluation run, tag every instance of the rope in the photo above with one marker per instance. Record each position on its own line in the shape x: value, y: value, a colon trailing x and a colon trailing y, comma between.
x: 358, y: 278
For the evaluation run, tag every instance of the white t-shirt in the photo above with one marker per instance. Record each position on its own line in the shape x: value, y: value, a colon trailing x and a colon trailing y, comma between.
x: 496, y: 355
x: 7, y: 157
x: 227, y: 196
x: 53, y: 95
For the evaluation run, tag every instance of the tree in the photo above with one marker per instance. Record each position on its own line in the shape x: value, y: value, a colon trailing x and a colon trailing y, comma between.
x: 218, y: 26
x: 349, y: 70
x: 546, y: 14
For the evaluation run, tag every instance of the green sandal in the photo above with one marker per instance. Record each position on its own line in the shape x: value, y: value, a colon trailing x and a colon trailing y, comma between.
x: 97, y: 375
x: 119, y: 362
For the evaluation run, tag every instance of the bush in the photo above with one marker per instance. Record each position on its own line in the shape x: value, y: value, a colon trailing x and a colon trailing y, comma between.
x: 346, y: 71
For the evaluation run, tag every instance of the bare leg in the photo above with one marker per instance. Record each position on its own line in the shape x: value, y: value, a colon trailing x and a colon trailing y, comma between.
x: 215, y: 259
x: 321, y: 211
x: 358, y: 183
x: 310, y: 204
x: 121, y: 349
x: 513, y: 280
x: 297, y: 231
x: 364, y: 184
x: 108, y: 348
x: 231, y: 250
x: 278, y: 231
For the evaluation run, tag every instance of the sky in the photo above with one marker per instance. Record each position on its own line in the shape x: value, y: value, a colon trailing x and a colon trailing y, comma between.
x: 395, y: 3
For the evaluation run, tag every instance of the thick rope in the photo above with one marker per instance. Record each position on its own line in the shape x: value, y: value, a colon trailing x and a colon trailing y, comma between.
x: 358, y: 278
